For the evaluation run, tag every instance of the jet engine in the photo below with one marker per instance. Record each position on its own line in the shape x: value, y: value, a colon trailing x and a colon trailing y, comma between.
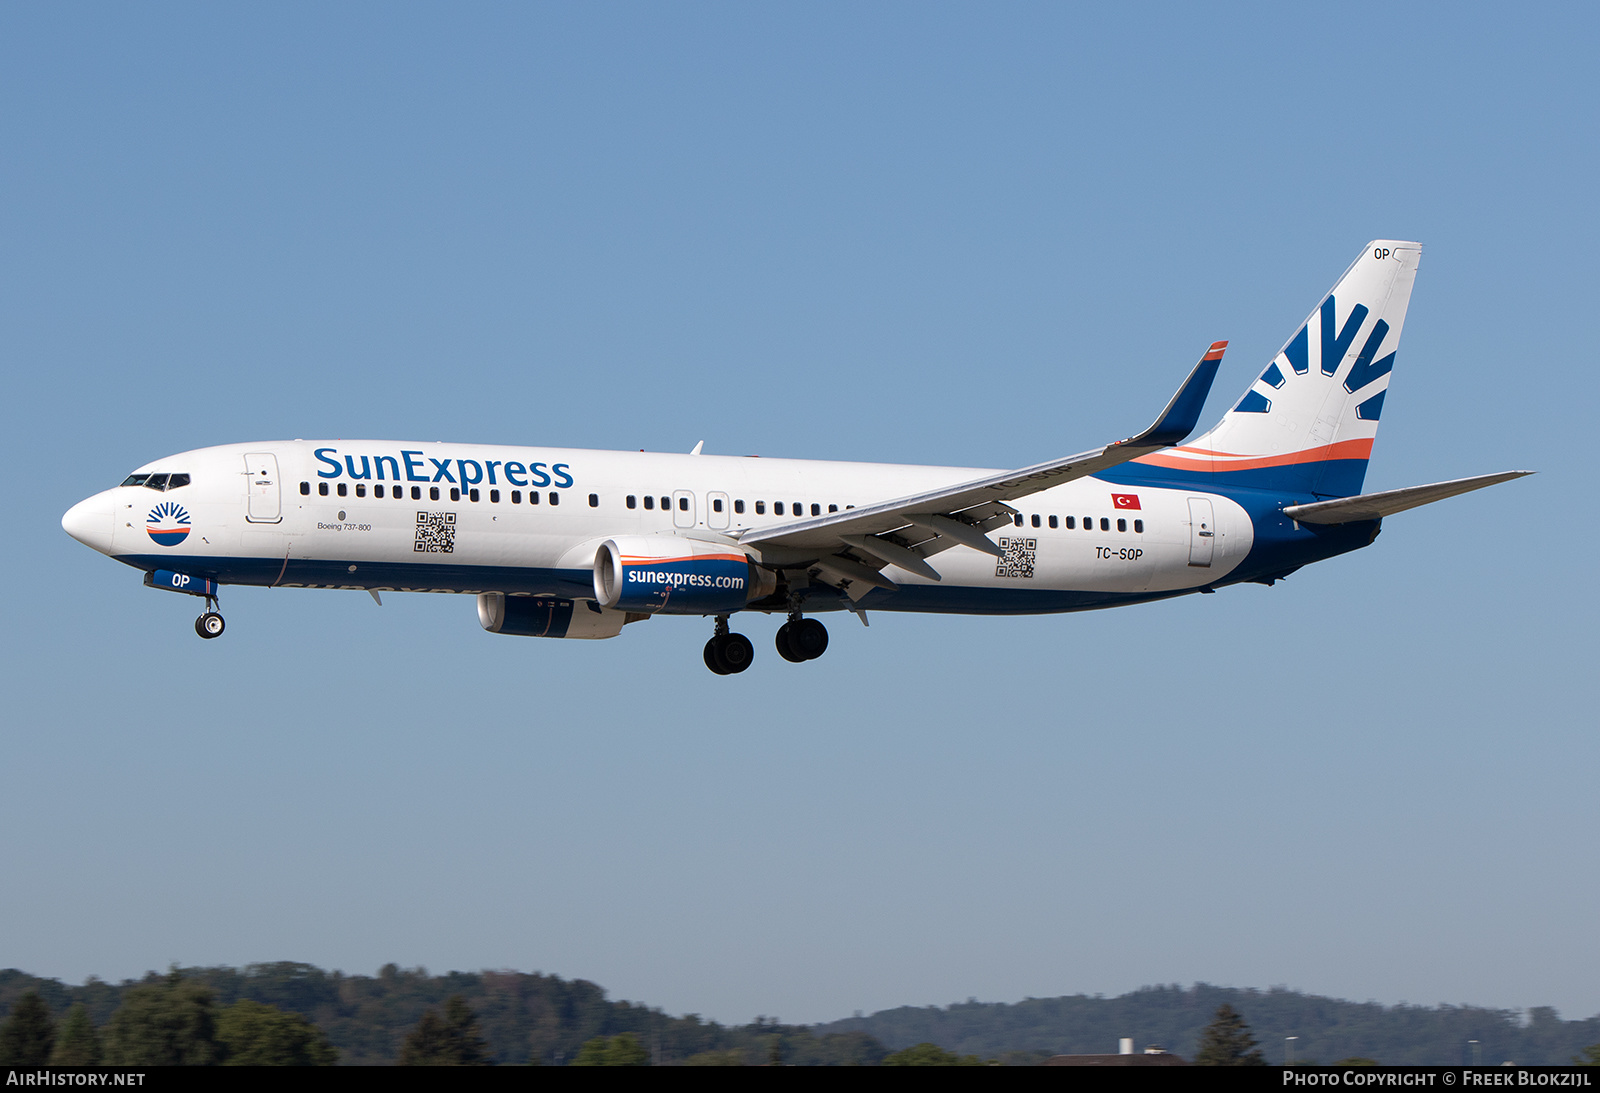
x: 548, y: 617
x: 663, y: 574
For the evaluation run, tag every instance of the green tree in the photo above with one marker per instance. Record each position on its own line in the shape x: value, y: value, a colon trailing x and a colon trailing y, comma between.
x: 1590, y: 1056
x: 167, y: 1023
x: 77, y: 1042
x: 28, y: 1034
x: 1226, y: 1041
x: 452, y: 1040
x: 254, y: 1034
x: 623, y: 1049
x: 927, y: 1054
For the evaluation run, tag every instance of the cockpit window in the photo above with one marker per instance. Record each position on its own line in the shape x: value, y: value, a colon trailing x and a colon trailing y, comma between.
x: 157, y: 481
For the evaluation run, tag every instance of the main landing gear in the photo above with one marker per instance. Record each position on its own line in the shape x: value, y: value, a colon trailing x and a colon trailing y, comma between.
x: 799, y: 639
x: 728, y: 654
x: 210, y: 625
x: 802, y: 639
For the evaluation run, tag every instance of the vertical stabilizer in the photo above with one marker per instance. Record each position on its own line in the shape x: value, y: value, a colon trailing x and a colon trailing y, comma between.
x: 1308, y: 422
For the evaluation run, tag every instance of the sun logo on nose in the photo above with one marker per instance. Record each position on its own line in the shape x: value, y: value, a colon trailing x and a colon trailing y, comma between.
x: 168, y: 523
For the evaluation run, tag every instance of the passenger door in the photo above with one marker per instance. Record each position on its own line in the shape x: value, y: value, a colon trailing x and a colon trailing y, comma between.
x: 265, y: 501
x: 1202, y: 532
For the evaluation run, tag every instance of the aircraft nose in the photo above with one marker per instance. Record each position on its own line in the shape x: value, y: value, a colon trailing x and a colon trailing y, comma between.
x: 89, y: 522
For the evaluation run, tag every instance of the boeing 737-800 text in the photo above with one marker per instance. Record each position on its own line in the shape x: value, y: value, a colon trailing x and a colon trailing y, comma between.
x: 577, y: 544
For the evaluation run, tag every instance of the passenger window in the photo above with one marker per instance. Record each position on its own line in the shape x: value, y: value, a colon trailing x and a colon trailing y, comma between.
x: 533, y: 497
x: 833, y: 508
x: 761, y: 508
x: 1036, y: 520
x: 594, y: 500
x: 738, y: 506
x: 455, y: 493
x: 1018, y: 520
x: 322, y: 489
x: 1105, y: 524
x: 816, y: 509
x: 494, y: 497
x: 361, y: 491
x: 1138, y: 526
x: 344, y: 490
x: 1052, y: 521
x: 377, y: 491
x: 666, y: 504
x: 177, y: 482
x: 1088, y: 523
x: 716, y: 504
x: 1122, y: 525
x: 472, y: 495
x: 555, y: 498
x: 433, y: 493
x: 799, y: 509
x: 633, y: 501
x: 649, y: 502
x: 777, y: 508
x: 683, y: 504
x: 305, y: 489
x: 1072, y: 523
x: 416, y: 493
x: 516, y: 497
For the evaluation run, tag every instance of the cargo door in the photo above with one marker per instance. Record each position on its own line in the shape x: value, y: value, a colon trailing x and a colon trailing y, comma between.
x: 265, y: 503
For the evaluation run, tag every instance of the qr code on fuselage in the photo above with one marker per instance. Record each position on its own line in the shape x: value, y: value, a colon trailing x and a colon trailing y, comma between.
x: 436, y: 533
x: 1020, y: 555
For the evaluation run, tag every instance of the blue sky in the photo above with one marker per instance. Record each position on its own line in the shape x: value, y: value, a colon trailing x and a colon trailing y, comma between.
x: 897, y: 232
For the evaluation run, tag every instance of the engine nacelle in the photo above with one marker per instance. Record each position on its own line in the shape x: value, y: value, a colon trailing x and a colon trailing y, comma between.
x: 547, y: 617
x: 663, y: 574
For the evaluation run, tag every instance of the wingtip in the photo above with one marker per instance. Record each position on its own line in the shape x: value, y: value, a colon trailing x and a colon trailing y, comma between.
x: 1215, y: 352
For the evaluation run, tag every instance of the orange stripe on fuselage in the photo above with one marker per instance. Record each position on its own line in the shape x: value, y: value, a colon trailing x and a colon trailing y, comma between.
x: 626, y: 560
x: 1228, y: 461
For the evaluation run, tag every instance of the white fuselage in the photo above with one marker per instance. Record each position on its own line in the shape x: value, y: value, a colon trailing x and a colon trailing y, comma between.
x: 371, y: 515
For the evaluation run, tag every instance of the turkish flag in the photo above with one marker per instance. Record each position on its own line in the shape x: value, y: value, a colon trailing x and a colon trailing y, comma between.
x: 1125, y: 500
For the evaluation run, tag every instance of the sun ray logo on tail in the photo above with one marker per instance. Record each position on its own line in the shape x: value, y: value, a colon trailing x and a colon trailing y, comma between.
x: 168, y: 523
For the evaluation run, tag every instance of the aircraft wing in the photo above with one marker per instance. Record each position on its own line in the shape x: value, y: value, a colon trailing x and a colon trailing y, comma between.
x: 849, y: 548
x: 1372, y: 506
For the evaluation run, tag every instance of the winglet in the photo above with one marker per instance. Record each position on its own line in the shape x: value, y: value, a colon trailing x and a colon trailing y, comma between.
x: 1182, y: 414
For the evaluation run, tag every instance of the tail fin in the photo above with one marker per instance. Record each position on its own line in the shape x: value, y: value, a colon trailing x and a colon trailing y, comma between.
x: 1307, y: 424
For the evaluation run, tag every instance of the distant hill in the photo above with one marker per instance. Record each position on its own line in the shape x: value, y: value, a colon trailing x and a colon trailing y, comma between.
x: 1328, y: 1029
x: 525, y: 1017
x: 528, y: 1017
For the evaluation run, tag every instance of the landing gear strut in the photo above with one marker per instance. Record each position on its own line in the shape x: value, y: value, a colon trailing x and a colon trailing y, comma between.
x: 802, y: 639
x: 210, y: 625
x: 728, y: 654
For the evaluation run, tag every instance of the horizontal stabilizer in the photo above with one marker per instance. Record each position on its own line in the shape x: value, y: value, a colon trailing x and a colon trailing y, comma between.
x: 1372, y: 506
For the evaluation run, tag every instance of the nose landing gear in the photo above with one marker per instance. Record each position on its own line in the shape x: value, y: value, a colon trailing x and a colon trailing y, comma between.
x: 210, y: 625
x: 728, y: 654
x: 802, y: 639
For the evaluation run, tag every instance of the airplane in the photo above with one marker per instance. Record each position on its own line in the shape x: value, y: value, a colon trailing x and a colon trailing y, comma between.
x: 568, y: 543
